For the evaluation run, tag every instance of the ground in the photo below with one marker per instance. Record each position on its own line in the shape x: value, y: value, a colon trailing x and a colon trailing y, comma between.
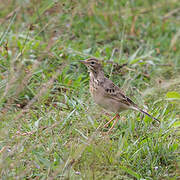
x: 50, y: 127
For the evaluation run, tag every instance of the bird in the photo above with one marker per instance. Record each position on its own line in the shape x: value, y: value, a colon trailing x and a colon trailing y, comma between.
x: 108, y: 95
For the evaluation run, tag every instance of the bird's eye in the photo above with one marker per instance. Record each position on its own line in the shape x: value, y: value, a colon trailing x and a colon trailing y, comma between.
x: 92, y: 62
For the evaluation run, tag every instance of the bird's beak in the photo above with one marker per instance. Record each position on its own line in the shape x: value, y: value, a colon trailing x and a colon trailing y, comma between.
x: 83, y: 61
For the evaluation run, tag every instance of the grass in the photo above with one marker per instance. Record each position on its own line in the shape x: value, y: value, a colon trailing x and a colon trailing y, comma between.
x: 49, y: 126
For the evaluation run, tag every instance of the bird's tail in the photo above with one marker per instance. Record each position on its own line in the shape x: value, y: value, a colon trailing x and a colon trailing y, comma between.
x: 149, y: 115
x: 144, y: 112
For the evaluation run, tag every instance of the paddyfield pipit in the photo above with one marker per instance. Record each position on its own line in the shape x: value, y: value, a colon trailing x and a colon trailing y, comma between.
x: 106, y: 94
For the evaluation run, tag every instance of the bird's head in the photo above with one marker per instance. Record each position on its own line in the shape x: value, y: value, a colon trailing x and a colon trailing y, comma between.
x: 92, y: 64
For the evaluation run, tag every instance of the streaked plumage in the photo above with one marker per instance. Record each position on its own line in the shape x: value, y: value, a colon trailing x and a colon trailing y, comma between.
x: 105, y: 93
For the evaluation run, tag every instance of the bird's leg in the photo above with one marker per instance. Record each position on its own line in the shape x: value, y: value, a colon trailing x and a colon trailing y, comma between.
x: 117, y: 115
x: 115, y: 122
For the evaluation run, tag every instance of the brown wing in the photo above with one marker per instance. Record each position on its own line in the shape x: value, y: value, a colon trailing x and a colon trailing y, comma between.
x: 113, y: 91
